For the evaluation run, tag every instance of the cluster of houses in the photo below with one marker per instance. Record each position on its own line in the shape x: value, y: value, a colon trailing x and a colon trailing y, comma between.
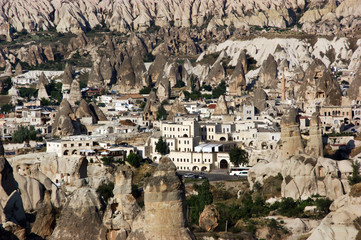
x: 197, y: 141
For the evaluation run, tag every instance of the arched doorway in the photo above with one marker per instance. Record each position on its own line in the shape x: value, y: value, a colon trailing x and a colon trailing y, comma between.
x: 66, y: 152
x: 222, y: 139
x: 223, y: 164
x: 74, y: 152
x: 264, y: 146
x: 195, y: 168
x: 203, y: 169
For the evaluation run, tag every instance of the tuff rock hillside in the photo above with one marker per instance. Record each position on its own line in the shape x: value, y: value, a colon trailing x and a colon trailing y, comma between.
x: 123, y: 16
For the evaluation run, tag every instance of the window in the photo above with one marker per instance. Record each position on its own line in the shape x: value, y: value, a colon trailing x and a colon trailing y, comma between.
x: 80, y: 144
x: 87, y: 144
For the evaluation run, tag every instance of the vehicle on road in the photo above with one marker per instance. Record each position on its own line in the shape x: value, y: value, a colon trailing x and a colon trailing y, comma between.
x: 239, y: 171
x: 189, y: 175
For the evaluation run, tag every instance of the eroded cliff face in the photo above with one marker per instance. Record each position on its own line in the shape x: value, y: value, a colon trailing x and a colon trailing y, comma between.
x: 124, y: 16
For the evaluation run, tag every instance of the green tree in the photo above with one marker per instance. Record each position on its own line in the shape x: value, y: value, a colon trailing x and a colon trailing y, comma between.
x: 219, y: 90
x: 7, y: 108
x: 44, y: 102
x: 162, y: 113
x: 28, y: 92
x: 179, y: 84
x: 6, y: 84
x: 355, y: 178
x: 24, y: 134
x: 238, y: 156
x: 161, y: 146
x: 106, y: 190
x: 54, y: 91
x: 196, y: 203
x: 134, y: 160
x: 323, y: 205
x: 145, y: 90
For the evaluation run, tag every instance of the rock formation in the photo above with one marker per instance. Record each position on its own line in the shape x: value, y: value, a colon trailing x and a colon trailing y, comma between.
x: 354, y: 92
x: 157, y: 67
x: 140, y: 71
x: 164, y: 214
x: 315, y: 146
x: 290, y: 134
x: 344, y: 220
x: 18, y: 69
x: 42, y: 92
x: 319, y: 86
x: 177, y: 108
x: 65, y: 122
x: 79, y: 42
x: 100, y: 116
x: 42, y: 79
x: 151, y: 107
x: 209, y: 218
x: 221, y: 107
x: 238, y: 83
x: 8, y: 68
x: 11, y: 205
x: 77, y: 17
x: 67, y: 78
x: 126, y: 80
x: 122, y: 209
x: 163, y: 91
x: 216, y: 74
x: 81, y: 217
x: 259, y: 99
x: 268, y: 73
x: 84, y: 111
x: 75, y: 93
x: 45, y: 218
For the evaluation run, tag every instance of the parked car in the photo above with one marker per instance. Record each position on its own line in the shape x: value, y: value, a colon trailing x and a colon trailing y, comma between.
x: 189, y: 175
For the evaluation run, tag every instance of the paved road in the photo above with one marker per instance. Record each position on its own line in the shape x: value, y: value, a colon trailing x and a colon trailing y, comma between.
x: 214, y: 176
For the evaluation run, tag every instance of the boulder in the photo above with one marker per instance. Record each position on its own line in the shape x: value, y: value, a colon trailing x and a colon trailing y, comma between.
x: 209, y: 218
